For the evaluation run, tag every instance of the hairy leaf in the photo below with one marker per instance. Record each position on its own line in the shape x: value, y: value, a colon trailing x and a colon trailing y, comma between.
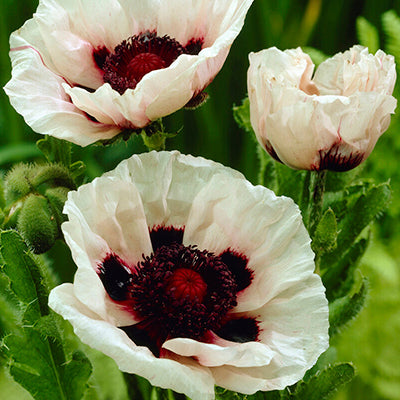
x: 324, y: 384
x: 36, y: 354
x: 345, y: 308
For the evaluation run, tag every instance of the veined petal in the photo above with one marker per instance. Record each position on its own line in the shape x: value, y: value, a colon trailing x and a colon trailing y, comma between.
x: 223, y: 216
x: 297, y: 338
x: 50, y: 110
x: 221, y: 352
x: 168, y: 182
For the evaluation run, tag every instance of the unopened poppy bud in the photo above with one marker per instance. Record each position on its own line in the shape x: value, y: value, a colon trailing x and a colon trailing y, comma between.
x: 37, y: 223
x: 17, y: 183
x: 331, y: 120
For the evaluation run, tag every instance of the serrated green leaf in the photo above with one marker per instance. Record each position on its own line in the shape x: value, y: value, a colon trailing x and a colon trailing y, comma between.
x: 325, y: 236
x: 24, y: 274
x: 324, y: 384
x: 2, y: 193
x: 76, y: 373
x: 367, y: 207
x: 367, y: 34
x: 55, y: 150
x: 241, y: 114
x: 37, y: 359
x: 346, y: 308
x: 338, y: 279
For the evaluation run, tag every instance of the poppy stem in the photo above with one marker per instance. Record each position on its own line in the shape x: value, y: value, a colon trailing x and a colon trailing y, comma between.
x: 316, y: 200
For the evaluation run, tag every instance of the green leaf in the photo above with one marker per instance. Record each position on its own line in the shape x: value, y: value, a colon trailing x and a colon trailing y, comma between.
x: 55, y: 150
x: 338, y: 279
x: 317, y: 56
x: 36, y: 354
x: 290, y: 182
x: 367, y: 34
x: 77, y: 169
x: 24, y: 274
x: 241, y: 114
x: 325, y: 236
x: 368, y: 206
x: 391, y: 27
x: 324, y: 384
x: 346, y: 308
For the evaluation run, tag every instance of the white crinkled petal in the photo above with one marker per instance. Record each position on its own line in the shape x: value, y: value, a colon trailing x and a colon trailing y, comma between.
x: 222, y: 352
x: 49, y: 111
x: 294, y: 325
x: 183, y: 376
x: 64, y: 51
x: 104, y: 216
x: 108, y: 107
x: 356, y: 70
x: 251, y: 220
x: 168, y: 182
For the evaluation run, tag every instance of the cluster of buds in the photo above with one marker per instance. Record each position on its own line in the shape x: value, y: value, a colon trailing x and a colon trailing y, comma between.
x: 34, y: 199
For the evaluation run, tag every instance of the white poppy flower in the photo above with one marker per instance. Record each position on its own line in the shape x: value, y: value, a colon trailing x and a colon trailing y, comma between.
x: 84, y: 71
x: 331, y: 121
x: 191, y: 277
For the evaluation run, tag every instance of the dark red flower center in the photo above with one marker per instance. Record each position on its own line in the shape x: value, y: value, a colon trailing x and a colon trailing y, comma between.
x: 138, y: 55
x: 187, y: 284
x: 180, y: 291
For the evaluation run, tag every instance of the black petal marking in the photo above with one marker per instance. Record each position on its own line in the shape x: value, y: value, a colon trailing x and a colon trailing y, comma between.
x: 115, y: 277
x: 165, y: 236
x: 336, y: 159
x: 141, y: 337
x: 237, y: 264
x: 239, y: 330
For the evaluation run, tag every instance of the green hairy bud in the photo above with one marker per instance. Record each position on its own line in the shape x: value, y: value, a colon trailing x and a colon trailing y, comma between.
x: 37, y: 223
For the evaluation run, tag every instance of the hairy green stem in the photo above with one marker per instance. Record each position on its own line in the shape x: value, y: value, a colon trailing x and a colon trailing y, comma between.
x: 316, y: 200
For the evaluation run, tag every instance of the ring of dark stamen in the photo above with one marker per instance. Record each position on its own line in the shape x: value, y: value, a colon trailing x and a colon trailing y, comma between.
x: 156, y: 52
x: 152, y: 298
x: 165, y: 236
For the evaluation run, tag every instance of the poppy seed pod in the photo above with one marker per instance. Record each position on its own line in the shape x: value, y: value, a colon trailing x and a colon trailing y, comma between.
x: 331, y: 120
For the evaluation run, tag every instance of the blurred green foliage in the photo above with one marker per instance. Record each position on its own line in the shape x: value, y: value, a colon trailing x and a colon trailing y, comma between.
x: 210, y: 131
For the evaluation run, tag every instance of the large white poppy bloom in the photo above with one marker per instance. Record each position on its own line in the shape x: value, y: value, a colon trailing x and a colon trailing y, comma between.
x: 84, y: 71
x: 191, y: 277
x: 331, y: 121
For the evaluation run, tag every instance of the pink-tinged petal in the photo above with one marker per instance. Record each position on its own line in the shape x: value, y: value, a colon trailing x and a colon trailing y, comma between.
x: 104, y: 223
x: 107, y: 106
x: 168, y: 182
x: 64, y: 52
x: 277, y: 247
x: 50, y: 110
x: 182, y: 375
x: 221, y: 352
